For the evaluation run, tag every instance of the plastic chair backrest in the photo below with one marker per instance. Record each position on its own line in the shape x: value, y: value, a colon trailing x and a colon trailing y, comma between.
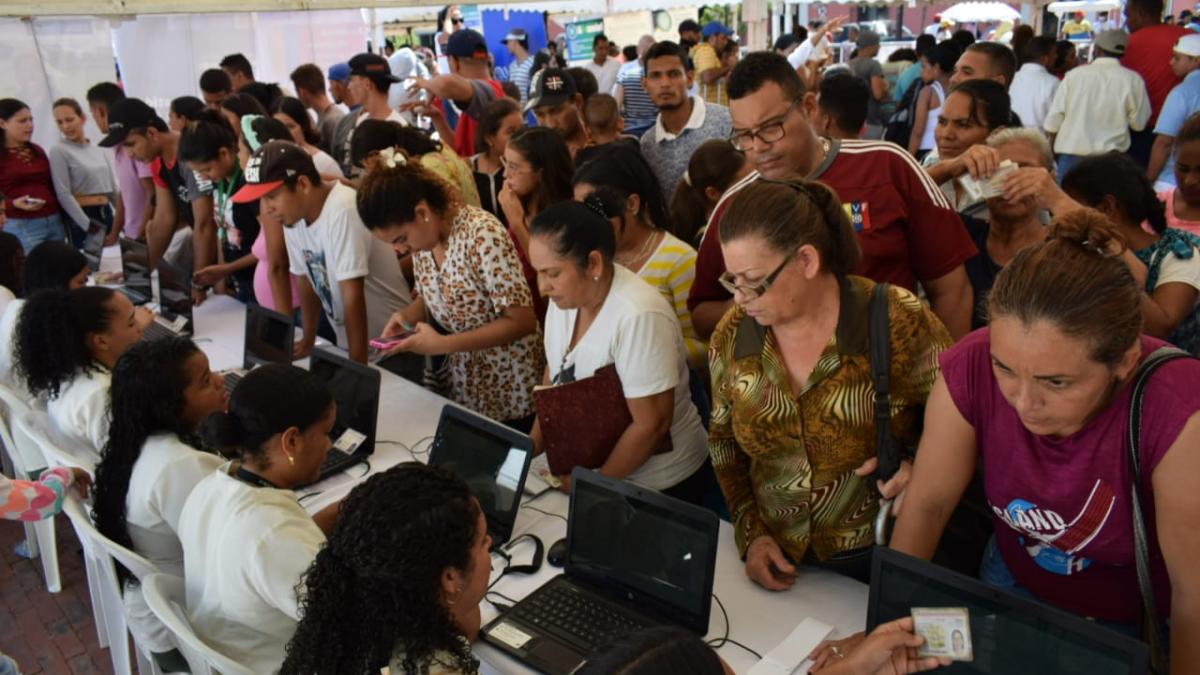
x: 166, y: 596
x: 56, y: 448
x: 20, y: 449
x: 82, y: 520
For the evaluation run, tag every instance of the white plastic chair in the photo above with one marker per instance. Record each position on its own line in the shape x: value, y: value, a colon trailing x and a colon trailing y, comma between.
x: 166, y: 596
x: 103, y: 551
x: 22, y: 450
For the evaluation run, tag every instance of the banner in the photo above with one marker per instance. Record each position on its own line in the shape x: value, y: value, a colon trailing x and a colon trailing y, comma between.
x: 579, y: 38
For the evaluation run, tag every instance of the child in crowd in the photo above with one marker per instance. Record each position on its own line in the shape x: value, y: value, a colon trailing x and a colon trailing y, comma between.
x: 1183, y: 199
x: 605, y: 127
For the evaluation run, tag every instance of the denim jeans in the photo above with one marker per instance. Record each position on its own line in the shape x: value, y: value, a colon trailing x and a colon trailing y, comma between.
x: 33, y: 231
x: 1066, y: 163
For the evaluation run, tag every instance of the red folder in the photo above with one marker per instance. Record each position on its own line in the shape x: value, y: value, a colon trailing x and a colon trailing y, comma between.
x: 582, y: 421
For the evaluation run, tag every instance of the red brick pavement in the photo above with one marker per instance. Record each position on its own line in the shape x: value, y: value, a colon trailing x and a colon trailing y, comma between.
x: 47, y: 633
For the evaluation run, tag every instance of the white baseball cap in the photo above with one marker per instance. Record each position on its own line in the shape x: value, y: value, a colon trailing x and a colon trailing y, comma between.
x: 1189, y: 45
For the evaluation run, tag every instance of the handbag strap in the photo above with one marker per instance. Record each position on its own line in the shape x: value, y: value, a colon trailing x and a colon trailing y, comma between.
x: 1151, y: 627
x: 879, y: 335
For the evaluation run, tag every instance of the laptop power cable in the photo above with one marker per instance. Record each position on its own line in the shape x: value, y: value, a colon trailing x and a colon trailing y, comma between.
x: 717, y: 643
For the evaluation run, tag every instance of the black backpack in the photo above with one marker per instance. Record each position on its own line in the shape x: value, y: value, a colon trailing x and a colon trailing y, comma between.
x: 899, y: 126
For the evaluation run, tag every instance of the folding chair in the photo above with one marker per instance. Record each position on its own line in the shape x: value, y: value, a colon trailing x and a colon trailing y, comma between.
x: 27, y: 461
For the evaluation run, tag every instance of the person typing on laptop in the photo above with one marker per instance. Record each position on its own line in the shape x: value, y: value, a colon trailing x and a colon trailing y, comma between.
x: 399, y: 581
x: 340, y: 268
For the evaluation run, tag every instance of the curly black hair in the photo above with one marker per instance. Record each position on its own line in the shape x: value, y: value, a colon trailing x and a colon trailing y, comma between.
x: 52, y: 264
x: 147, y: 398
x: 51, y: 336
x: 374, y: 589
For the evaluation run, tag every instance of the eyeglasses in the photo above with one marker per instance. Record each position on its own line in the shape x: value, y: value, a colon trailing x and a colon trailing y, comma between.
x: 511, y: 169
x: 457, y: 22
x: 757, y: 290
x: 771, y: 132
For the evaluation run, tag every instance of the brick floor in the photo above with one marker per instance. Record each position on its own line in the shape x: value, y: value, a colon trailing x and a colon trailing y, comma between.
x: 47, y: 633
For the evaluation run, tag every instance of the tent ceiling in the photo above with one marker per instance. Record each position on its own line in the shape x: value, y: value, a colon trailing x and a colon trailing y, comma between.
x: 129, y: 7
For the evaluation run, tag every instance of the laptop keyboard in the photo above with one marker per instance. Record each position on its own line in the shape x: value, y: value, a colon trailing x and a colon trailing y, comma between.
x: 157, y: 331
x: 561, y: 608
x: 231, y: 380
x: 336, y: 459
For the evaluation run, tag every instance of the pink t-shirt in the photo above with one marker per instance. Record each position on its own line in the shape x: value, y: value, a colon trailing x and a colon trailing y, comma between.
x: 262, y: 282
x: 1168, y: 198
x: 133, y: 194
x: 1062, y: 505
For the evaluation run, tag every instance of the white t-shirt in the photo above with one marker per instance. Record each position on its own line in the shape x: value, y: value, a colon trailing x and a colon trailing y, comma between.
x: 326, y: 165
x: 6, y: 296
x: 1177, y: 270
x: 637, y: 330
x: 8, y: 344
x: 338, y: 247
x: 807, y: 51
x: 246, y: 548
x: 80, y: 412
x: 606, y: 75
x: 163, y: 477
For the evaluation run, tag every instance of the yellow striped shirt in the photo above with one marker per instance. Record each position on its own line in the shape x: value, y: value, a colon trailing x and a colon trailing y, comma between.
x: 671, y: 269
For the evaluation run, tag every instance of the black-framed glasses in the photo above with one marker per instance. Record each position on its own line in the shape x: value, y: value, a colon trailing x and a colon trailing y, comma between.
x: 757, y: 290
x: 771, y: 132
x: 457, y: 21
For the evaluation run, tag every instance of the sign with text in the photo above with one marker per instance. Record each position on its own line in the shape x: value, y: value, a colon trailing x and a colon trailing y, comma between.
x: 579, y: 38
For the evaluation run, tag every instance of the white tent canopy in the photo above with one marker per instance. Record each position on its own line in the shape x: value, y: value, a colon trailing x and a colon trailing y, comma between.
x: 980, y: 12
x: 1085, y: 6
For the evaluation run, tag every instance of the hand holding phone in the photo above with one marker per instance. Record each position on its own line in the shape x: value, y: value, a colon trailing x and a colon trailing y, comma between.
x: 388, y: 343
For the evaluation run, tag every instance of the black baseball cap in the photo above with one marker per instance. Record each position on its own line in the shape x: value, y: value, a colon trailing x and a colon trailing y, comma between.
x: 125, y: 116
x: 373, y: 66
x: 271, y: 165
x: 551, y: 86
x: 467, y: 44
x: 689, y: 24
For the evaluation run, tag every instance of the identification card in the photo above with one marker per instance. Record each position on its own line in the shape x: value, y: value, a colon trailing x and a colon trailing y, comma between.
x: 349, y: 441
x: 947, y: 632
x: 994, y: 186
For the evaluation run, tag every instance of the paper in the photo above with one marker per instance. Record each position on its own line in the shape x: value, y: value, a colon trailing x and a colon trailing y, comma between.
x: 994, y: 186
x: 540, y: 467
x: 794, y: 649
x: 510, y: 635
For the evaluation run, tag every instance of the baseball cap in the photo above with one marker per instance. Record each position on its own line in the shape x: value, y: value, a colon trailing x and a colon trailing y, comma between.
x: 716, y: 28
x: 125, y: 116
x: 1188, y: 45
x: 1113, y: 41
x: 517, y: 34
x: 373, y: 66
x: 466, y: 44
x: 867, y: 38
x: 271, y: 165
x: 689, y: 25
x: 339, y: 72
x: 551, y: 86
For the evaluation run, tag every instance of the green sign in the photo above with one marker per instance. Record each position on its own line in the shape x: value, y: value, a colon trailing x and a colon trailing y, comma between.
x: 579, y: 38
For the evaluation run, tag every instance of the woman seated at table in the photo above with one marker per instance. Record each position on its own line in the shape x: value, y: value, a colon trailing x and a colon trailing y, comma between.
x: 161, y: 391
x: 373, y: 136
x: 1042, y: 399
x: 645, y: 246
x: 972, y: 110
x: 399, y: 582
x: 67, y: 345
x: 210, y: 148
x: 1117, y: 187
x: 602, y: 314
x: 246, y: 540
x: 793, y: 425
x: 468, y: 279
x: 50, y: 265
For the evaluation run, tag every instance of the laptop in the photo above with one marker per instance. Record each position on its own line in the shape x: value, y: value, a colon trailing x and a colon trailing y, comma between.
x: 491, y: 458
x: 355, y: 389
x: 635, y: 558
x: 93, y: 250
x: 1010, y: 634
x: 171, y: 289
x: 270, y: 338
x: 135, y: 268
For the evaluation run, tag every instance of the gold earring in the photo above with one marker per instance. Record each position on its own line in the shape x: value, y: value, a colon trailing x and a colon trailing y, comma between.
x: 291, y: 460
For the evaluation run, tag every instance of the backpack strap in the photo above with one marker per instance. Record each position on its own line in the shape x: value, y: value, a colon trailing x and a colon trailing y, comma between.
x: 1151, y: 627
x: 880, y: 334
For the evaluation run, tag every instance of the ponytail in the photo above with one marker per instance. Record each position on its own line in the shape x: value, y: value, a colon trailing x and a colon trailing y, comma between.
x: 52, y: 336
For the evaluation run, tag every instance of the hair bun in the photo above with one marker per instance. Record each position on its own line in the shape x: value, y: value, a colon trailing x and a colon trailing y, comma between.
x: 1089, y: 229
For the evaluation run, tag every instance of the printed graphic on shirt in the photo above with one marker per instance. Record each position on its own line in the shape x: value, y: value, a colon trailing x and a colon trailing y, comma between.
x: 860, y: 215
x: 1050, y: 540
x: 319, y: 274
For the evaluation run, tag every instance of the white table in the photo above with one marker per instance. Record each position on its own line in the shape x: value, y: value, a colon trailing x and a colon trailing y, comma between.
x: 408, y: 417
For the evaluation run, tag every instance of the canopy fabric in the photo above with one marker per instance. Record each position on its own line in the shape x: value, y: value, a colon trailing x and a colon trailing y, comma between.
x: 979, y: 12
x: 1085, y: 6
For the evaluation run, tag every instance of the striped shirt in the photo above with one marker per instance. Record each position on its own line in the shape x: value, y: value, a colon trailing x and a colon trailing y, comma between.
x: 640, y: 111
x: 519, y: 75
x: 670, y: 270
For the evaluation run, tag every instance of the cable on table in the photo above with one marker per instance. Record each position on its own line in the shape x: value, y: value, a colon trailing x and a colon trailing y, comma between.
x: 717, y: 643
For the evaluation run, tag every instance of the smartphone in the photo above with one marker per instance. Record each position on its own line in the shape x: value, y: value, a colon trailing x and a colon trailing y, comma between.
x: 34, y: 200
x: 384, y: 344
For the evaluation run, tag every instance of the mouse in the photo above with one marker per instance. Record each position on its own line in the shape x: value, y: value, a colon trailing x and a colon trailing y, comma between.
x: 557, y: 555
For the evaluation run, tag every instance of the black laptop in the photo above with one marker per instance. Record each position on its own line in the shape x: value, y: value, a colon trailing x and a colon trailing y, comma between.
x: 171, y: 288
x: 135, y: 268
x: 355, y: 389
x: 1010, y: 634
x: 270, y: 338
x: 491, y: 458
x: 635, y: 558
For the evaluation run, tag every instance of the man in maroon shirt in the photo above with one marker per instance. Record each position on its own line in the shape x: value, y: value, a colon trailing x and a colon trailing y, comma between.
x: 1151, y: 43
x: 907, y: 230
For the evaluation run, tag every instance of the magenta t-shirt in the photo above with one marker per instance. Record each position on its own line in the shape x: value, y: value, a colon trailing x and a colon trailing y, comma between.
x: 1063, y: 505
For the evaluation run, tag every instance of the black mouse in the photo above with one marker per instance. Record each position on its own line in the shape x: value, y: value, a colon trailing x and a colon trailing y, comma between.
x: 557, y: 555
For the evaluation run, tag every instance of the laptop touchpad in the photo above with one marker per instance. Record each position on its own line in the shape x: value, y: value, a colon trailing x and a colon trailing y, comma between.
x: 557, y: 657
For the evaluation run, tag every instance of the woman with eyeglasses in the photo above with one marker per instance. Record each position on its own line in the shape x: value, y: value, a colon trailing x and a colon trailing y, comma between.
x: 793, y: 424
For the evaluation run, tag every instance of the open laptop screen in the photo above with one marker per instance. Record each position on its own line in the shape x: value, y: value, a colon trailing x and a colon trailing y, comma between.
x: 648, y: 547
x: 1010, y: 635
x: 269, y: 337
x: 491, y: 459
x: 355, y: 388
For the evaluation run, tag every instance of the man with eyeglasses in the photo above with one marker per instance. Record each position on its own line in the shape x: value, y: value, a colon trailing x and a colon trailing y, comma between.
x: 684, y: 122
x: 908, y: 232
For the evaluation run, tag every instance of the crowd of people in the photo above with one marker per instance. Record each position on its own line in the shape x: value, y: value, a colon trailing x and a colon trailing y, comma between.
x: 711, y: 222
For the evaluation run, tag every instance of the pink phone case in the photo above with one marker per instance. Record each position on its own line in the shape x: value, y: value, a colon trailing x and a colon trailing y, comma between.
x: 386, y: 343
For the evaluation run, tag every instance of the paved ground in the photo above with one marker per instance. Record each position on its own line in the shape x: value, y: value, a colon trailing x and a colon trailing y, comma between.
x: 47, y: 633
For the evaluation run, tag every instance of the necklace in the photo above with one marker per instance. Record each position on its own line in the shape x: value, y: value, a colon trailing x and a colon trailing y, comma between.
x: 646, y: 250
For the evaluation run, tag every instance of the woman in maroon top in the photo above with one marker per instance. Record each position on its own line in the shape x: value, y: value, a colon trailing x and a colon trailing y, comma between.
x: 32, y: 208
x: 1041, y: 398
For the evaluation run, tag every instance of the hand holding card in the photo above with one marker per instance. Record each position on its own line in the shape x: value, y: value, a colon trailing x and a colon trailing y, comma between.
x: 947, y: 632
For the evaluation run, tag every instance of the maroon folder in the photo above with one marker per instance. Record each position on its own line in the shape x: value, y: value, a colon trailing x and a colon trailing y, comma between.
x: 582, y: 421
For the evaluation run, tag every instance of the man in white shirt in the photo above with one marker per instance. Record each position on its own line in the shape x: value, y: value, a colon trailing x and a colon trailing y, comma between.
x: 604, y: 68
x: 1096, y: 105
x: 371, y: 80
x: 341, y: 269
x: 1033, y: 86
